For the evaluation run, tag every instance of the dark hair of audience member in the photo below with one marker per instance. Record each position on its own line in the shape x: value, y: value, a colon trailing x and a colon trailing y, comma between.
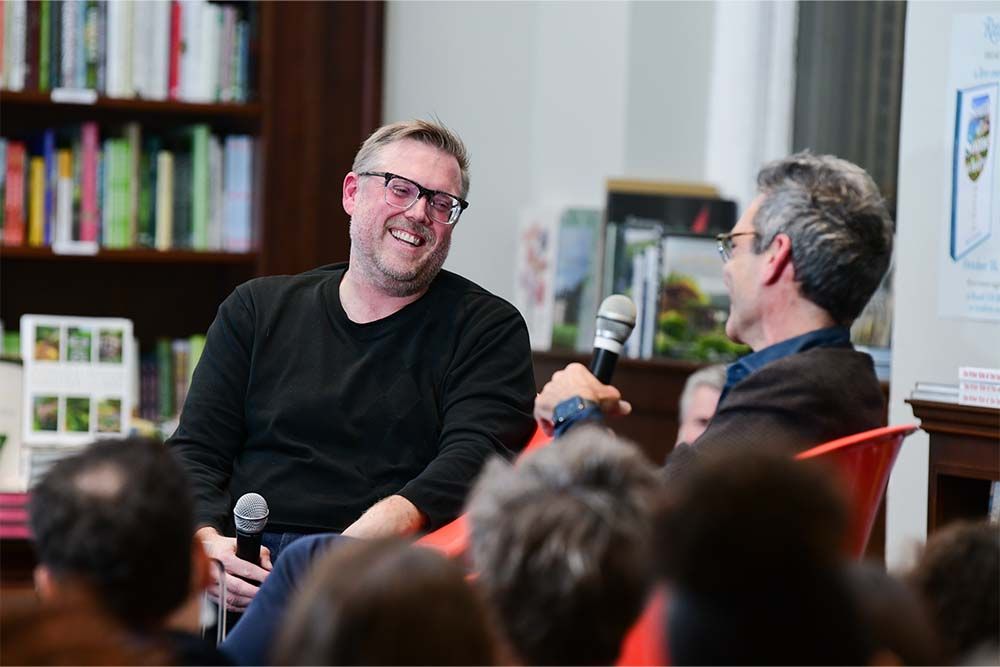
x: 901, y: 631
x: 386, y: 602
x: 561, y: 541
x: 118, y: 517
x: 752, y: 548
x: 36, y: 633
x: 958, y: 577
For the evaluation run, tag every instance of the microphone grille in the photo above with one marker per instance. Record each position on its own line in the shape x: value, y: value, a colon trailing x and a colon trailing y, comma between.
x: 618, y: 307
x: 250, y: 513
x: 616, y: 318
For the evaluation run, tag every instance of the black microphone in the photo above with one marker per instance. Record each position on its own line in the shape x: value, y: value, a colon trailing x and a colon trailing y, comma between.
x: 250, y: 517
x: 615, y: 321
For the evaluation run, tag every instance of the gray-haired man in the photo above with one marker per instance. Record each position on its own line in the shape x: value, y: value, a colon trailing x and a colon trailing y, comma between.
x: 800, y: 265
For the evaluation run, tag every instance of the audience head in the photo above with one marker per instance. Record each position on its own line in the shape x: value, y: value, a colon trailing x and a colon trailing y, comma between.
x: 698, y: 401
x: 751, y: 546
x: 386, y: 602
x: 958, y: 577
x: 840, y: 229
x: 115, y: 523
x: 68, y: 633
x: 898, y: 624
x: 560, y: 545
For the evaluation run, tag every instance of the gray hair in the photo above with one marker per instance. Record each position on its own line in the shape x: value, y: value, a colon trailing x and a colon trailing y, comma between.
x: 427, y: 132
x: 838, y: 223
x: 713, y: 376
x: 560, y: 543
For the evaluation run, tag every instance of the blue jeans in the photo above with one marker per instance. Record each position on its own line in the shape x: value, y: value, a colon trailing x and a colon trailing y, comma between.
x: 251, y: 640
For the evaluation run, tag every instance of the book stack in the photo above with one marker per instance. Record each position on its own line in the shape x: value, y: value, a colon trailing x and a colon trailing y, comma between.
x: 165, y: 375
x: 187, y: 189
x: 186, y: 50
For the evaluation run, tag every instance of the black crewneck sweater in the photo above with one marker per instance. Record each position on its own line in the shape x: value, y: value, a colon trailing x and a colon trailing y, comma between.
x: 324, y: 417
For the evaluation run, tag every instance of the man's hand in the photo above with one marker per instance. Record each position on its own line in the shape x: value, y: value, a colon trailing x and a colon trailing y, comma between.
x: 576, y: 380
x: 239, y: 593
x: 394, y: 515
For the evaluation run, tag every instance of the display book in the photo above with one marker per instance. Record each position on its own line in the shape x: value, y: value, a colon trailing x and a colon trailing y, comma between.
x: 76, y: 188
x: 660, y: 249
x: 79, y: 380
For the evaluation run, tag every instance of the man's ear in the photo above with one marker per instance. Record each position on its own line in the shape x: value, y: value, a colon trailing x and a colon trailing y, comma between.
x: 45, y: 584
x: 350, y: 192
x: 778, y: 260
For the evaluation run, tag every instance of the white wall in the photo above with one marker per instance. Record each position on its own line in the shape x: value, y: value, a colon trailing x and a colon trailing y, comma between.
x: 552, y: 98
x: 925, y: 347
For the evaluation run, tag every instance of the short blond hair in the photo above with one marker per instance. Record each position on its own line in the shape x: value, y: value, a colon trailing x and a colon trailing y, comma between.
x: 427, y: 132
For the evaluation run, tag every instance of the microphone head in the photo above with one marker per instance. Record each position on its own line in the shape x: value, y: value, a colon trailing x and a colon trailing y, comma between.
x: 616, y: 318
x: 250, y: 513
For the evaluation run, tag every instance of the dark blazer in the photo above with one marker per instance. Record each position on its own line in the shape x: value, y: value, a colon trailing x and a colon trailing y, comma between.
x: 794, y: 403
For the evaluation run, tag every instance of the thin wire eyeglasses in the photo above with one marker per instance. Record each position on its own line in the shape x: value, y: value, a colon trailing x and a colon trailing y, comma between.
x: 725, y: 243
x: 401, y: 192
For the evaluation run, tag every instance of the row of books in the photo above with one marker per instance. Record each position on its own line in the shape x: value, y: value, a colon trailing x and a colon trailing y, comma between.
x: 189, y: 50
x: 165, y: 375
x: 187, y: 189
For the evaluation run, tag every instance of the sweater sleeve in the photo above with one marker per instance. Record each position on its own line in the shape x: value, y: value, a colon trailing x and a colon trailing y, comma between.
x: 212, y: 429
x: 487, y: 404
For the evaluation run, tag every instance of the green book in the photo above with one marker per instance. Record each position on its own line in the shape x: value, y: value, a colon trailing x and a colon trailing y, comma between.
x: 164, y: 378
x: 44, y: 28
x: 197, y: 344
x: 146, y: 223
x: 199, y: 186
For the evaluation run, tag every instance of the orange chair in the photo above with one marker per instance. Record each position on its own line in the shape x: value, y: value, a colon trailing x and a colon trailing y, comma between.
x: 453, y: 539
x: 864, y: 461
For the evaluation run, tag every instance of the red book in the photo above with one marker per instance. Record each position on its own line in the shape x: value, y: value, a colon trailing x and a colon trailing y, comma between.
x: 13, y: 228
x: 89, y: 141
x: 174, y: 76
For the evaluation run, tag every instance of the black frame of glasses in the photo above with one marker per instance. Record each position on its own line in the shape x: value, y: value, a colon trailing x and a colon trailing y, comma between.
x: 426, y: 193
x: 724, y: 243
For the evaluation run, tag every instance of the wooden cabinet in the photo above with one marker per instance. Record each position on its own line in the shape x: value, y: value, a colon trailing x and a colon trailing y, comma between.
x: 964, y: 459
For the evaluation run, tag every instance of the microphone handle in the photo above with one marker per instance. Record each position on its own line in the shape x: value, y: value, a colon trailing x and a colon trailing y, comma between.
x: 248, y: 546
x: 603, y: 364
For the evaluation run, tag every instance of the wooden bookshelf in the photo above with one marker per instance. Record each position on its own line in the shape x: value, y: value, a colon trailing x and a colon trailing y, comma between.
x: 317, y: 74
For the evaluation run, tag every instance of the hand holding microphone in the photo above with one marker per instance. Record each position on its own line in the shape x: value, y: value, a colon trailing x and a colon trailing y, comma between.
x: 615, y: 321
x: 245, y: 561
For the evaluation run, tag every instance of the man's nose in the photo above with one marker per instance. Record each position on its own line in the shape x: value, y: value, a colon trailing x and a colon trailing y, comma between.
x: 418, y: 211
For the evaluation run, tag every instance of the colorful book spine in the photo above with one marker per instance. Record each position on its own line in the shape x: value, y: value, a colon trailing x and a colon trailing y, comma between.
x: 36, y: 202
x: 44, y: 40
x: 165, y: 378
x: 51, y: 176
x: 64, y: 197
x: 32, y: 47
x: 164, y: 200
x: 13, y: 228
x: 199, y: 186
x: 174, y: 71
x: 88, y: 182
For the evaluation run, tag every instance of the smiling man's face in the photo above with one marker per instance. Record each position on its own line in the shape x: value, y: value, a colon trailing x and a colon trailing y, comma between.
x: 400, y: 252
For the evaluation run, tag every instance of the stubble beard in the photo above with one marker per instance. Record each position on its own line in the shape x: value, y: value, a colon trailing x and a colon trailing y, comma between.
x: 391, y: 280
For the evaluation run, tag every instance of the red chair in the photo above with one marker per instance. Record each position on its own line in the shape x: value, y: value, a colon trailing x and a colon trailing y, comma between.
x: 864, y: 461
x: 453, y: 539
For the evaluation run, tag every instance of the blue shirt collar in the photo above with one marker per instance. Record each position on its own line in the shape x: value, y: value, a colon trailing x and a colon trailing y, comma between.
x: 836, y: 336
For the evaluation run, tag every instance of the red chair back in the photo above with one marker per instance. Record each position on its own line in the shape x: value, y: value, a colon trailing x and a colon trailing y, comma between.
x: 453, y: 539
x: 864, y: 461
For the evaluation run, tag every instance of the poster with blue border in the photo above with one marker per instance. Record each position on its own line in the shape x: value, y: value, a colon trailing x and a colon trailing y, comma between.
x: 969, y: 265
x: 973, y: 174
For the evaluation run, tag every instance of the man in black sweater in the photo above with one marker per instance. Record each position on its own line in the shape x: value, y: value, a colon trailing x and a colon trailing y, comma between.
x: 359, y: 398
x: 800, y: 265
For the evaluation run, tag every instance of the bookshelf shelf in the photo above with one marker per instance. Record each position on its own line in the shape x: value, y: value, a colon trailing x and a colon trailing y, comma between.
x: 143, y: 256
x: 10, y: 100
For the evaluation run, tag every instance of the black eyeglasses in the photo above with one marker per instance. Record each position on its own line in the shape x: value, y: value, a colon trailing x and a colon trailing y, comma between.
x: 725, y: 243
x: 401, y: 192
